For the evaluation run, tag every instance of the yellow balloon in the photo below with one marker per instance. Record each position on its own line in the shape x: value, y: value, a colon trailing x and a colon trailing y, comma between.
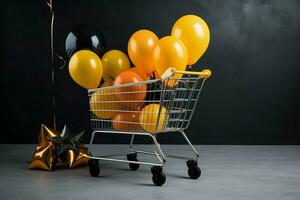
x: 169, y: 52
x: 149, y: 117
x: 114, y: 62
x: 86, y: 69
x: 103, y: 103
x: 140, y: 49
x: 194, y: 33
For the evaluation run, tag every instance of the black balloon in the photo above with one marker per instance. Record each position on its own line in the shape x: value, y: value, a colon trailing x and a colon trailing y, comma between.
x: 85, y: 36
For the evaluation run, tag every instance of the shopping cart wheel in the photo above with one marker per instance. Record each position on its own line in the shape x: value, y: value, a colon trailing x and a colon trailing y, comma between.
x: 194, y: 171
x: 94, y: 167
x: 133, y: 157
x: 158, y: 177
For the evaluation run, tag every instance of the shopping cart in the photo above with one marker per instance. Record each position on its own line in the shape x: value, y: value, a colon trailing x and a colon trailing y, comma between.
x: 147, y: 108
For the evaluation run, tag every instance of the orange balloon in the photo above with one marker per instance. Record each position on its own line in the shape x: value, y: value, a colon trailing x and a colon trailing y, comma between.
x: 140, y: 72
x: 136, y: 106
x: 170, y: 52
x: 135, y: 93
x: 140, y: 49
x: 126, y: 121
x: 133, y: 106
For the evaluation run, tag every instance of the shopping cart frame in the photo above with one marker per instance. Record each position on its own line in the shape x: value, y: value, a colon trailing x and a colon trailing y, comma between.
x: 158, y: 176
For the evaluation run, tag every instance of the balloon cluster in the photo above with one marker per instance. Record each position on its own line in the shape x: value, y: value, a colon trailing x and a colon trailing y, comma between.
x: 150, y: 55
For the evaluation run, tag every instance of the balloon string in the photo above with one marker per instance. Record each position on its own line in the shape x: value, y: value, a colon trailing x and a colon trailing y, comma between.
x: 62, y: 59
x: 49, y: 3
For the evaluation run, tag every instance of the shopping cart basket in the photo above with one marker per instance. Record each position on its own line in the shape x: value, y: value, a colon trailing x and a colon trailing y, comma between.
x: 147, y: 108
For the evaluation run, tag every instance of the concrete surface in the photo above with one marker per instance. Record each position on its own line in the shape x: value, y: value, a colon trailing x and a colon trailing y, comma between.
x: 228, y: 172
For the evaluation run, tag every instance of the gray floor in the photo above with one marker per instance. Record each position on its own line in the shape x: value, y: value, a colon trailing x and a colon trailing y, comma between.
x: 228, y: 172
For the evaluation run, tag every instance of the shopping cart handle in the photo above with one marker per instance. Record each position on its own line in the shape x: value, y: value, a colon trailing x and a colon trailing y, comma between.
x: 206, y: 73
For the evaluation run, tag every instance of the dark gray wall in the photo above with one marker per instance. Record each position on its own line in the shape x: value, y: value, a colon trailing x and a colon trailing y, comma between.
x: 253, y: 96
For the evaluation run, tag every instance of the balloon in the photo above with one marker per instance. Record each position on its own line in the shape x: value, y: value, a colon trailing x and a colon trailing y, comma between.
x: 103, y: 103
x: 86, y: 69
x: 133, y: 106
x: 169, y: 52
x: 140, y: 49
x: 126, y: 121
x: 194, y: 33
x: 105, y: 84
x: 133, y: 94
x: 114, y: 62
x: 140, y: 72
x: 85, y: 36
x: 149, y: 118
